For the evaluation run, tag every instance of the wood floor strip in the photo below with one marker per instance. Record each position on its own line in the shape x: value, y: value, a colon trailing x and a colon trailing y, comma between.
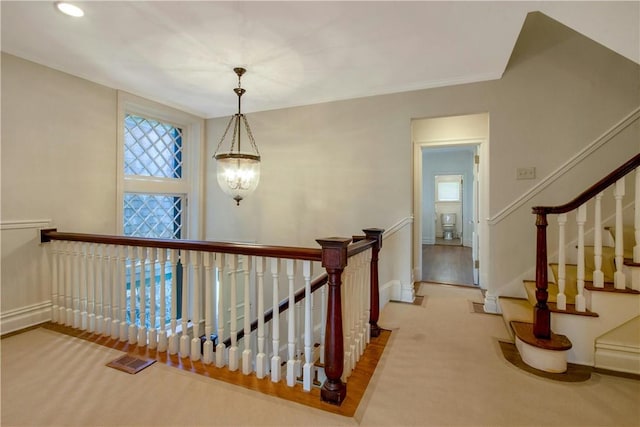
x: 356, y: 385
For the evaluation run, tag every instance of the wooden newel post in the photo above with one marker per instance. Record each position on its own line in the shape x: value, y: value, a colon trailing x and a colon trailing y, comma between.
x: 374, y: 314
x: 334, y: 260
x: 541, y: 314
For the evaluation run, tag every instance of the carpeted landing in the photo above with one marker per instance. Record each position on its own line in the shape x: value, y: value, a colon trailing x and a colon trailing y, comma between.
x: 442, y: 366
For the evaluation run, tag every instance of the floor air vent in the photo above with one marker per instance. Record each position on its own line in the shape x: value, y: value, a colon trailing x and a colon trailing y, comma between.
x: 130, y: 364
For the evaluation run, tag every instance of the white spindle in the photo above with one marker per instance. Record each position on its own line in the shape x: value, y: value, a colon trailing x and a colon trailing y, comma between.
x: 115, y: 293
x: 619, y: 278
x: 106, y: 291
x: 275, y: 324
x: 153, y: 331
x: 581, y: 219
x: 232, y: 264
x: 207, y: 349
x: 185, y: 341
x: 598, y: 275
x: 247, y: 367
x: 636, y: 248
x: 173, y: 323
x: 91, y: 288
x: 55, y: 307
x: 308, y: 369
x: 122, y: 259
x: 162, y: 334
x: 367, y: 300
x: 75, y: 263
x: 291, y: 344
x: 84, y: 319
x: 220, y: 348
x: 261, y: 357
x: 142, y: 329
x: 196, y: 319
x: 561, y: 297
x: 98, y: 262
x: 323, y: 322
x: 360, y: 309
x: 66, y: 312
x: 133, y: 328
x: 347, y: 311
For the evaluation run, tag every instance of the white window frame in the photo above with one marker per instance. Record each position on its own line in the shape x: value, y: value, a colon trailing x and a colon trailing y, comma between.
x: 190, y: 185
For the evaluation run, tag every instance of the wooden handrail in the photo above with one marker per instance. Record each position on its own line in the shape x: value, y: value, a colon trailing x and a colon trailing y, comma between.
x: 592, y: 191
x: 282, y: 307
x: 289, y: 252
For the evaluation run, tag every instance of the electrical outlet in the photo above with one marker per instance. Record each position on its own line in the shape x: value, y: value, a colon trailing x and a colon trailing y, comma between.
x: 526, y: 173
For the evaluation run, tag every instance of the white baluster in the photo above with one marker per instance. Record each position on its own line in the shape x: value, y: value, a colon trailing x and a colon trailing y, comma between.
x: 619, y: 279
x: 323, y: 323
x: 173, y: 323
x: 247, y: 367
x: 196, y: 319
x: 153, y: 331
x: 232, y: 261
x: 261, y: 357
x: 106, y: 291
x: 347, y: 311
x: 636, y: 219
x: 367, y: 301
x: 598, y: 275
x: 55, y: 307
x: 122, y: 259
x: 115, y: 293
x: 142, y: 328
x: 162, y: 334
x: 308, y: 368
x: 207, y: 348
x: 66, y: 312
x: 360, y: 296
x: 91, y: 288
x: 84, y: 320
x: 291, y: 345
x: 98, y: 289
x: 75, y: 280
x: 133, y: 327
x: 275, y: 324
x: 581, y: 219
x: 635, y: 272
x: 185, y: 341
x: 561, y: 297
x: 220, y: 348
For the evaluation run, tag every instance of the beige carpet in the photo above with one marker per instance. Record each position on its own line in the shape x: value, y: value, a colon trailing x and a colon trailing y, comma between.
x: 443, y: 366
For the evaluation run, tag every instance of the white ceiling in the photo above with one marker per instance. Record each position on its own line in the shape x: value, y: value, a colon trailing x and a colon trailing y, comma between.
x: 297, y: 53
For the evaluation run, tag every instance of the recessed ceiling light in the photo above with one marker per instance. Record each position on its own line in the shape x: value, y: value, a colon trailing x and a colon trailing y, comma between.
x: 69, y: 9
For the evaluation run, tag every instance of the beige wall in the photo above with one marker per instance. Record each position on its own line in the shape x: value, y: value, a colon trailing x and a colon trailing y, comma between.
x: 331, y: 169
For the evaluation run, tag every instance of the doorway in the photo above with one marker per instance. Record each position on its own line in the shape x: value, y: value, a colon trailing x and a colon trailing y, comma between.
x: 450, y: 199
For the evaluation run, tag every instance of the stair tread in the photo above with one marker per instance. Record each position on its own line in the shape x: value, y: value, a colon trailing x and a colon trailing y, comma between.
x: 609, y: 287
x: 552, y: 299
x: 626, y: 335
x: 524, y: 331
x: 571, y: 309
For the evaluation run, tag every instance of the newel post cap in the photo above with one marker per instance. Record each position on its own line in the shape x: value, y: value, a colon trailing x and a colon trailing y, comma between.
x: 334, y: 252
x: 376, y: 234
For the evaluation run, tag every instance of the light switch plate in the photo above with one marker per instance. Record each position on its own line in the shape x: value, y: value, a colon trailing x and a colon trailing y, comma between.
x: 526, y: 173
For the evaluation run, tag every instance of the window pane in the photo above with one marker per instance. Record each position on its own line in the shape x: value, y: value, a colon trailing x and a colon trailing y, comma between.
x: 153, y: 215
x: 152, y: 148
x: 448, y: 192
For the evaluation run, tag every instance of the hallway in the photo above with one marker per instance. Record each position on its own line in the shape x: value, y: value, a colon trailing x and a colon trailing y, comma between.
x: 452, y: 265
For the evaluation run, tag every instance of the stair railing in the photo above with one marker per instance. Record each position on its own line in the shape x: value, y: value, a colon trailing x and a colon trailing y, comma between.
x: 542, y: 313
x: 188, y: 297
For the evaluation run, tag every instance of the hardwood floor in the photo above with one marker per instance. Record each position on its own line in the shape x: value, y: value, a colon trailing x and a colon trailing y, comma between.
x: 447, y: 264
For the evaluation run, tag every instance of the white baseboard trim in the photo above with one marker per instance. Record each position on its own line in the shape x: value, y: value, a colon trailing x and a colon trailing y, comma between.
x: 395, y: 290
x: 491, y: 304
x: 24, y: 317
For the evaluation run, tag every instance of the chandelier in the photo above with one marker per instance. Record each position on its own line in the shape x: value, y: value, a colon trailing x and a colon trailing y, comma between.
x: 238, y: 172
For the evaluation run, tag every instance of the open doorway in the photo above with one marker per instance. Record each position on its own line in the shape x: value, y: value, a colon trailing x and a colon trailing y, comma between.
x: 449, y: 200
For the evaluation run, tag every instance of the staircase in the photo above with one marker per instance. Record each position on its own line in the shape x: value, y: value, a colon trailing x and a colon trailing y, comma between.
x: 589, y: 312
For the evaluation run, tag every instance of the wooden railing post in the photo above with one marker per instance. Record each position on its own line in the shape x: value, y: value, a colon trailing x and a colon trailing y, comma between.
x: 374, y: 314
x: 334, y: 260
x: 541, y: 314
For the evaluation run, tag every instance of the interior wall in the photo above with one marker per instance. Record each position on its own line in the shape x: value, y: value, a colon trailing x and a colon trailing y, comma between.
x: 331, y: 169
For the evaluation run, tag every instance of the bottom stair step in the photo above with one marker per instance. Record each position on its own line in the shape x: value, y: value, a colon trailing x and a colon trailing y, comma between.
x: 556, y: 342
x: 619, y: 349
x: 549, y: 355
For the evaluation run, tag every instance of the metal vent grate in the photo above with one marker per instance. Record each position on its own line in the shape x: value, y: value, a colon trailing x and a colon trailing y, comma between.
x: 130, y: 364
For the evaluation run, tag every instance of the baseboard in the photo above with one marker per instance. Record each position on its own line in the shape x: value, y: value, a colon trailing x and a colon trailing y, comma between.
x: 24, y: 317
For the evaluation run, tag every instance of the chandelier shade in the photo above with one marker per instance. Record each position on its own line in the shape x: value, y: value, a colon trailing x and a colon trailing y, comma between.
x: 238, y: 172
